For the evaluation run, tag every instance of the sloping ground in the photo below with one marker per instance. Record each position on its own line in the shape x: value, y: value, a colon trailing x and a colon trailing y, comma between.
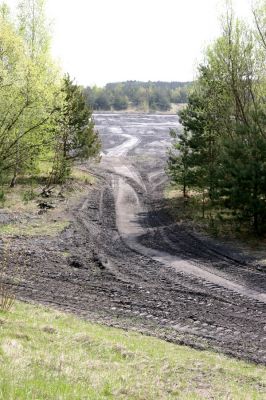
x: 123, y: 262
x: 45, y: 354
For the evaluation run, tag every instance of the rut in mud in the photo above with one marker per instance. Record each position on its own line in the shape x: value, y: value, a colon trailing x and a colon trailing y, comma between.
x: 129, y: 265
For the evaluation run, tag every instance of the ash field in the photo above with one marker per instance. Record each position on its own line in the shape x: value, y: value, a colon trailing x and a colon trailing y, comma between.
x: 131, y: 266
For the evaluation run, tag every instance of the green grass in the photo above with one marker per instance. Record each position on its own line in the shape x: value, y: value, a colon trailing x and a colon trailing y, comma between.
x: 82, y: 176
x: 45, y: 354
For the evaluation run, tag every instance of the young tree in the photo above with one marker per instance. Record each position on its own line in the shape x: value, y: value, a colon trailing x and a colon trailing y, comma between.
x: 76, y: 138
x: 201, y: 144
x: 28, y: 89
x: 34, y: 29
x: 243, y: 180
x: 178, y: 165
x: 226, y: 120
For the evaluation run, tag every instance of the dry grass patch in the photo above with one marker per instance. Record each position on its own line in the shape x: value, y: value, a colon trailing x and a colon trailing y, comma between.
x: 39, y: 227
x: 82, y: 176
x: 21, y: 215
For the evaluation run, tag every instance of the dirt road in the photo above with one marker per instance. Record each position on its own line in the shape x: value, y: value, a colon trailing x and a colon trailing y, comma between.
x: 130, y: 265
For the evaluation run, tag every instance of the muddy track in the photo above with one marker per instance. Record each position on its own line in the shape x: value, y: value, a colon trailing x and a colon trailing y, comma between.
x: 124, y: 263
x: 208, y: 314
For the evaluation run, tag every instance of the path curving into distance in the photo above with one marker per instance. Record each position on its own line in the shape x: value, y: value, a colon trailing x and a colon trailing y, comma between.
x: 207, y: 289
x: 129, y: 209
x: 124, y: 262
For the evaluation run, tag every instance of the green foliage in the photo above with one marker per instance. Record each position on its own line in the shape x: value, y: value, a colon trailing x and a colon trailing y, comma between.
x: 32, y: 95
x: 120, y: 103
x: 243, y: 180
x: 75, y: 136
x: 101, y: 102
x: 222, y: 150
x: 144, y: 96
x: 159, y: 100
x: 29, y: 195
x: 178, y: 161
x: 28, y: 87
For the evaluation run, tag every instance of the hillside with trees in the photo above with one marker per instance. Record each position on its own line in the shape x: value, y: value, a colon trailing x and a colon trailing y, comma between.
x: 135, y: 95
x: 221, y: 153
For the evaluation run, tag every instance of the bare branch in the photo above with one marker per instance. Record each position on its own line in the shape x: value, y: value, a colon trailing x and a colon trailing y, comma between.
x: 259, y: 28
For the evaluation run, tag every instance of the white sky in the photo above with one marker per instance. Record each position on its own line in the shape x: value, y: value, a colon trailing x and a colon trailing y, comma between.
x: 100, y: 41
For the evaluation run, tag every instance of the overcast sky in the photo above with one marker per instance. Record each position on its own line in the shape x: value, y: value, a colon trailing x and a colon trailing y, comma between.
x: 100, y: 41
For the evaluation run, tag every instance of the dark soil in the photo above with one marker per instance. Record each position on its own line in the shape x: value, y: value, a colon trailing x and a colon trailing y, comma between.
x: 91, y: 270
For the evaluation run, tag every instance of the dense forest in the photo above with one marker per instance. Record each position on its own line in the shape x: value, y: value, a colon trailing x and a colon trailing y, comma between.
x: 221, y: 153
x: 141, y: 96
x: 43, y: 114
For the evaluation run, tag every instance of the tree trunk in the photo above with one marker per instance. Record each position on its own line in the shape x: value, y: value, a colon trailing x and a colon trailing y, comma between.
x: 203, y: 204
x: 13, y: 181
x: 255, y: 203
x: 184, y: 189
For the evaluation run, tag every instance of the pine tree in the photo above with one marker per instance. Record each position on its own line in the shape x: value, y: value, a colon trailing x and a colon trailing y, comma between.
x: 178, y: 166
x: 76, y: 138
x: 224, y: 123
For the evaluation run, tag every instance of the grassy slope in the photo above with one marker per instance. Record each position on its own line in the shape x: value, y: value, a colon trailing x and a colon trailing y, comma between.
x: 45, y: 354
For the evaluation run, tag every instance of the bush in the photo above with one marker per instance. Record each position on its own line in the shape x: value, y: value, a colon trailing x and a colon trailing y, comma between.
x: 29, y: 195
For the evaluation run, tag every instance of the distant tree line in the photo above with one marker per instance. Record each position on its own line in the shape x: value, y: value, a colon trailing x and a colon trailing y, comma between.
x: 43, y: 115
x: 221, y: 152
x: 143, y: 96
